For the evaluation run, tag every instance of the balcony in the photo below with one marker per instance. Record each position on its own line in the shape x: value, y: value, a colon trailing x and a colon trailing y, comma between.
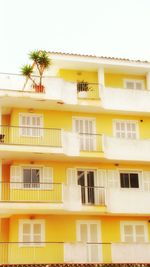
x: 126, y: 149
x: 78, y: 197
x: 130, y: 253
x: 126, y: 196
x: 50, y: 252
x: 31, y: 192
x: 125, y: 99
x: 48, y: 140
x: 55, y: 89
x: 30, y: 136
x: 87, y: 90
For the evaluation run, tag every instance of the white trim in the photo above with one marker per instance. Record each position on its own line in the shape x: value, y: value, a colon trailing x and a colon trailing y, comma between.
x: 114, y: 121
x: 133, y: 223
x: 31, y: 222
x: 134, y: 82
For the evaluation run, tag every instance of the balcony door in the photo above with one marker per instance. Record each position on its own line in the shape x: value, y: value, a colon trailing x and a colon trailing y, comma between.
x: 88, y: 232
x: 86, y: 128
x: 86, y: 181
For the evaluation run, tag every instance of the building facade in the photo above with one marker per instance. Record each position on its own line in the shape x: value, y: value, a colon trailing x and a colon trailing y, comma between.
x: 74, y: 163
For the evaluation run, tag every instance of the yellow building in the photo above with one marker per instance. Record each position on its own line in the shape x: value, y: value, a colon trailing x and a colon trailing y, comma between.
x: 75, y: 163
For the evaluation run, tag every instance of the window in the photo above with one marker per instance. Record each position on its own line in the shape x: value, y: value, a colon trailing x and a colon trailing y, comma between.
x: 86, y: 181
x: 125, y: 129
x: 129, y: 180
x: 31, y: 232
x: 134, y: 84
x: 89, y: 233
x: 31, y: 177
x: 134, y: 232
x: 86, y: 127
x: 31, y: 125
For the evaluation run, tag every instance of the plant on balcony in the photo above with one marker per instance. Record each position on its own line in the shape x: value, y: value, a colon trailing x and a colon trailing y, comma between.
x: 42, y: 62
x: 82, y: 89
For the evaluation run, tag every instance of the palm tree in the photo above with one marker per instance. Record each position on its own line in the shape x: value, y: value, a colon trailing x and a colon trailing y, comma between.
x: 41, y: 60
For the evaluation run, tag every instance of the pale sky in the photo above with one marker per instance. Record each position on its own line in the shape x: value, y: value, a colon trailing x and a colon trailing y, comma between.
x: 119, y: 28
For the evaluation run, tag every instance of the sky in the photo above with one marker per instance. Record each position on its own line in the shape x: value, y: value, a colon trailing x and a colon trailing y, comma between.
x: 117, y: 28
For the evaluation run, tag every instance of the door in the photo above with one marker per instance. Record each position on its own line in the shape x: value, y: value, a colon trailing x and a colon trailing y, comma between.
x: 86, y: 181
x: 87, y: 129
x: 88, y: 232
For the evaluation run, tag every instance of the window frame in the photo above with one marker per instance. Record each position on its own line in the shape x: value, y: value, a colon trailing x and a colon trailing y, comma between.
x: 40, y: 177
x: 134, y: 82
x: 133, y: 224
x: 128, y: 172
x: 125, y: 121
x: 30, y: 115
x: 31, y: 222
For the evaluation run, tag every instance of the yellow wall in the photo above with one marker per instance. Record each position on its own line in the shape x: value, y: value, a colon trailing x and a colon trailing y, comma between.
x: 78, y: 76
x: 111, y: 79
x: 62, y: 228
x: 117, y: 80
x: 61, y: 119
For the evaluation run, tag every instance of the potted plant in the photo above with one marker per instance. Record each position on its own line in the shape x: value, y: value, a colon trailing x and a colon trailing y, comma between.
x: 41, y: 61
x: 82, y: 89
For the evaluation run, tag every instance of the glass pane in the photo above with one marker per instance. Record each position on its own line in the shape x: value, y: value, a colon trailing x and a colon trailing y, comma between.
x: 26, y: 238
x: 130, y: 85
x: 26, y: 228
x: 90, y: 184
x: 134, y: 181
x: 35, y: 176
x: 93, y: 233
x: 27, y: 178
x: 138, y: 85
x: 124, y: 180
x: 37, y: 238
x: 128, y: 230
x: 37, y: 228
x: 128, y: 239
x: 81, y: 181
x: 83, y: 232
x: 139, y: 229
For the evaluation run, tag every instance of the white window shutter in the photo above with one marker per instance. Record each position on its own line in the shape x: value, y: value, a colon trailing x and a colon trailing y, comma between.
x: 72, y: 176
x: 113, y: 179
x: 100, y: 185
x: 47, y: 178
x: 15, y: 177
x: 101, y: 179
x: 146, y: 181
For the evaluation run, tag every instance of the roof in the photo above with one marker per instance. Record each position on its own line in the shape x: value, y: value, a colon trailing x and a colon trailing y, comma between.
x: 99, y: 57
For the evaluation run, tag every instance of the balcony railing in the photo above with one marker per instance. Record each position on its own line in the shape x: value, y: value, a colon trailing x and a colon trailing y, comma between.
x: 90, y: 142
x: 51, y: 252
x: 130, y: 252
x: 34, y: 136
x: 88, y: 90
x: 93, y: 195
x: 31, y: 192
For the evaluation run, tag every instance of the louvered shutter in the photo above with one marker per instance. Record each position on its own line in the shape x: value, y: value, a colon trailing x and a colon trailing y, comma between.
x: 146, y: 181
x: 100, y: 185
x: 47, y: 178
x: 71, y: 176
x: 16, y: 177
x: 113, y: 179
